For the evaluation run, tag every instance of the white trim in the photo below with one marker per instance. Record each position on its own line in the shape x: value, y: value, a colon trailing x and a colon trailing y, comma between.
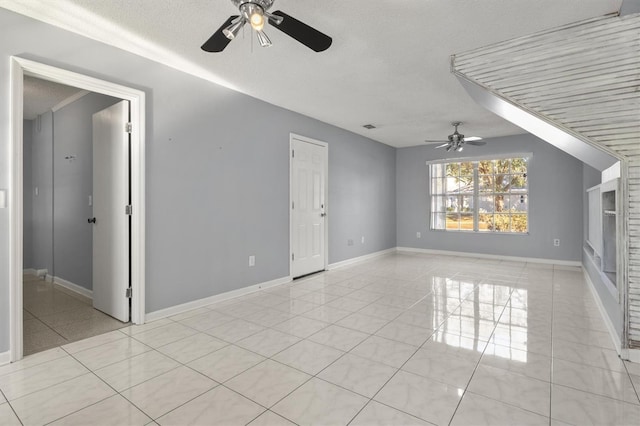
x: 353, y: 260
x: 184, y: 307
x: 71, y: 99
x: 527, y: 155
x: 632, y: 355
x: 325, y: 145
x: 603, y: 313
x: 29, y: 271
x: 613, y: 172
x: 603, y: 277
x: 15, y: 211
x: 5, y: 357
x: 75, y: 288
x: 136, y: 98
x: 492, y: 256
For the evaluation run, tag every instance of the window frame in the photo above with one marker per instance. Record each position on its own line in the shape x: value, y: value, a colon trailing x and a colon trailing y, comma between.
x: 477, y: 192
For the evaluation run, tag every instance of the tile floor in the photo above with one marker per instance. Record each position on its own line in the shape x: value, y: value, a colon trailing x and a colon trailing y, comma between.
x: 400, y: 340
x: 54, y: 317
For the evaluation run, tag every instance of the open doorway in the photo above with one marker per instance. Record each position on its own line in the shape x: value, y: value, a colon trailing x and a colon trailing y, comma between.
x: 57, y: 201
x: 43, y: 285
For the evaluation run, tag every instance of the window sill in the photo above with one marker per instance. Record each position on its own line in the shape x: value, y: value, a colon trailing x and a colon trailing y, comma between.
x: 516, y: 234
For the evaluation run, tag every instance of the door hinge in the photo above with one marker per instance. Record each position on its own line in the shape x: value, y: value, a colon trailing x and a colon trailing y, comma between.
x: 293, y: 153
x: 293, y: 256
x: 128, y: 127
x: 128, y: 210
x: 127, y: 293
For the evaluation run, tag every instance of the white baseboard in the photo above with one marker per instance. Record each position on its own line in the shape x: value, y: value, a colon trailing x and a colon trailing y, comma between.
x: 603, y: 312
x: 77, y: 290
x: 184, y: 307
x: 5, y: 357
x: 29, y: 271
x: 492, y: 256
x: 360, y: 258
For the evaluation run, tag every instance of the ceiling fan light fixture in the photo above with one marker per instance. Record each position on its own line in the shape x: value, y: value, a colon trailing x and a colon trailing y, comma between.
x: 459, y: 148
x: 254, y: 14
x: 232, y: 30
x: 263, y: 39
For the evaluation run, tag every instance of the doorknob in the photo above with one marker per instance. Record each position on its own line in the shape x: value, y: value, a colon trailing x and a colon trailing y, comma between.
x: 92, y: 220
x: 323, y: 214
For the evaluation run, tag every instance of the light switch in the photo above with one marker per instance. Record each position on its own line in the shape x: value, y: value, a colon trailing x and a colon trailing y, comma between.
x: 3, y: 198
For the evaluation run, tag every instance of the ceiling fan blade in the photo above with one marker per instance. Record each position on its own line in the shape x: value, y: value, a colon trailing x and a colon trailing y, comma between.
x: 310, y: 37
x: 434, y: 141
x: 218, y: 41
x: 444, y: 145
x: 476, y: 143
x: 472, y: 138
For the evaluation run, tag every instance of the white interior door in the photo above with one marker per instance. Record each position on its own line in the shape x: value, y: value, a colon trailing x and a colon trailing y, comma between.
x: 110, y: 198
x: 308, y: 207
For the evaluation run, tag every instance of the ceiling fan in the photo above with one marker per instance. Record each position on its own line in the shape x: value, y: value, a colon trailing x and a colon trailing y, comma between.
x: 457, y: 140
x: 256, y: 13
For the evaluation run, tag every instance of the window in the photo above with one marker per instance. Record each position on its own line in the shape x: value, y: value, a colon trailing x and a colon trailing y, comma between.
x: 480, y: 195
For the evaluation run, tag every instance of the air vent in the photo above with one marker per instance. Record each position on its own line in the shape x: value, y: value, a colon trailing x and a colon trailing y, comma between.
x: 369, y: 126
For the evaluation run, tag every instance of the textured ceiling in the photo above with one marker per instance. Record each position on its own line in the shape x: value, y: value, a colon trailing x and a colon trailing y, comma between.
x: 388, y: 65
x: 41, y: 95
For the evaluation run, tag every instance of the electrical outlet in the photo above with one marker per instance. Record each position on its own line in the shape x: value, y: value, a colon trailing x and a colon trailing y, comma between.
x: 556, y: 242
x: 362, y: 240
x: 418, y: 234
x: 349, y: 242
x: 252, y: 260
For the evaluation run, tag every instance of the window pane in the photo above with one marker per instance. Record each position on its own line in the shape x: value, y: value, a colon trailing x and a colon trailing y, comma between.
x: 467, y: 204
x: 501, y: 223
x: 518, y: 203
x: 518, y: 165
x: 438, y: 204
x: 437, y: 186
x: 466, y: 222
x: 453, y: 169
x: 502, y: 183
x: 466, y: 169
x: 438, y: 220
x: 453, y: 204
x: 486, y: 183
x: 453, y: 221
x: 502, y: 166
x: 519, y: 223
x: 485, y: 167
x: 487, y: 204
x: 485, y: 221
x: 500, y: 204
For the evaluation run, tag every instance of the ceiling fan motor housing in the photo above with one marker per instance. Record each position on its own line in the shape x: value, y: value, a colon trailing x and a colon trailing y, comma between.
x: 264, y: 4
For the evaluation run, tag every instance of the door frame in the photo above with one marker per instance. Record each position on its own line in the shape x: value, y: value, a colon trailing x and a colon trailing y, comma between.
x: 20, y: 67
x: 325, y: 145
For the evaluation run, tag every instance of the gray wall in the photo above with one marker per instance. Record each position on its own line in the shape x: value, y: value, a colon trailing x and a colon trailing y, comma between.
x: 42, y: 204
x: 555, y: 202
x: 590, y: 178
x: 73, y: 181
x: 27, y: 247
x: 217, y: 184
